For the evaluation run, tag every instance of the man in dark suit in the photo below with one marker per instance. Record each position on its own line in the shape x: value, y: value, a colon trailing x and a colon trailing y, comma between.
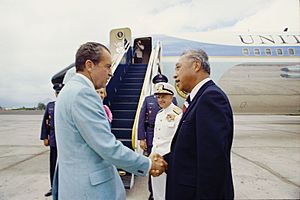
x: 199, y: 160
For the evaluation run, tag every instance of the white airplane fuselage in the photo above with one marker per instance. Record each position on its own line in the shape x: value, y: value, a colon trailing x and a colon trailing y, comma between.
x: 258, y: 72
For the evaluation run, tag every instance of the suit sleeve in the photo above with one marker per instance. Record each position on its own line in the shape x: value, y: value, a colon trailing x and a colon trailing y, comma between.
x: 45, y: 131
x: 167, y: 159
x: 213, y: 134
x: 141, y: 125
x: 90, y: 119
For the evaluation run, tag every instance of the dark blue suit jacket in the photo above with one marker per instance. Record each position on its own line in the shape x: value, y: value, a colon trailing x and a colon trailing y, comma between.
x: 199, y: 161
x: 47, y: 130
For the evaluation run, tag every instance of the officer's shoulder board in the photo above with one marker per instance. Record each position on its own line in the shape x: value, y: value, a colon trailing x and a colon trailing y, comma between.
x: 177, y: 111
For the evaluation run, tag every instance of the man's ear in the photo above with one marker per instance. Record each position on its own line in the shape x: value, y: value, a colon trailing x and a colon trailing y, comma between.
x: 197, y: 66
x: 89, y: 65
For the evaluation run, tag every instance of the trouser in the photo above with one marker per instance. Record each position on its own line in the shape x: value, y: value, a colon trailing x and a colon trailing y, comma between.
x: 159, y: 186
x: 53, y: 158
x: 150, y: 186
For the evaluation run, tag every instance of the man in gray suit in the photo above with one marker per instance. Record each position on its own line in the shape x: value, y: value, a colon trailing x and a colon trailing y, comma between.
x: 88, y: 153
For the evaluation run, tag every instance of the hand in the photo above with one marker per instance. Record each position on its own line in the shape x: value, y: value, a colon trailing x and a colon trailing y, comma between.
x: 159, y: 165
x: 143, y: 144
x: 46, y: 142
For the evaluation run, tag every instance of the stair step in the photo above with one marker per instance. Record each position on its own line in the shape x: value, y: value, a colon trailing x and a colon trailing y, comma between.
x: 122, y: 133
x: 133, y: 80
x: 124, y: 114
x: 136, y: 70
x: 126, y: 98
x: 122, y: 123
x: 139, y: 64
x: 137, y: 67
x: 134, y: 75
x: 124, y: 105
x: 127, y: 142
x: 128, y: 91
x: 131, y: 86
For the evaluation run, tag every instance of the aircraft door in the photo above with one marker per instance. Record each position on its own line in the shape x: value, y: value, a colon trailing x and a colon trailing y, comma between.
x: 142, y: 49
x: 118, y: 39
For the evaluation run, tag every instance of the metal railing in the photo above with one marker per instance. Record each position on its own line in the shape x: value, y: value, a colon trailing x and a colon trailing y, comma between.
x: 152, y: 70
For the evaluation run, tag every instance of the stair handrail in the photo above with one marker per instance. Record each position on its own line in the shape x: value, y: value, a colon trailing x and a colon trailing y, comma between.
x: 117, y: 61
x: 152, y: 69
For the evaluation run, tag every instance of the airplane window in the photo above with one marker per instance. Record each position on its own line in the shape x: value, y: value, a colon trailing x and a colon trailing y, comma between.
x: 279, y: 52
x: 246, y: 51
x: 291, y: 52
x: 256, y: 52
x: 268, y: 52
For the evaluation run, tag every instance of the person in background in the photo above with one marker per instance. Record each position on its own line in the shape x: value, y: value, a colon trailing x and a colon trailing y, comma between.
x: 138, y: 52
x: 48, y: 134
x: 89, y: 153
x: 199, y: 161
x: 102, y: 93
x: 147, y: 117
x: 166, y: 123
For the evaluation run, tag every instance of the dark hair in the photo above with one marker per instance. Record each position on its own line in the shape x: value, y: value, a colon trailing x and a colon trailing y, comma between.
x: 89, y: 51
x: 199, y: 55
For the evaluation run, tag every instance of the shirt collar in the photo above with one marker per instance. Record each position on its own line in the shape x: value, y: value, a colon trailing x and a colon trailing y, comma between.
x: 197, y: 88
x: 88, y: 81
x: 169, y: 108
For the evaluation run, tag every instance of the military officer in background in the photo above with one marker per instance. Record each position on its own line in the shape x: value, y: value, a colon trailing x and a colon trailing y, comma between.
x: 166, y: 122
x: 48, y: 134
x: 147, y: 117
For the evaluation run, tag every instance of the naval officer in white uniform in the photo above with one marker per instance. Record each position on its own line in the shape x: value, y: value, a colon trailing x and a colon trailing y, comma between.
x: 166, y: 122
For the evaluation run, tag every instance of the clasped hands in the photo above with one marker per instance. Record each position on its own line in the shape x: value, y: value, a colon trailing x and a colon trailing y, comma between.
x: 159, y: 165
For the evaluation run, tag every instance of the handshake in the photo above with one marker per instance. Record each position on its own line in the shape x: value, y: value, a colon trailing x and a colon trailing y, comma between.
x: 159, y: 165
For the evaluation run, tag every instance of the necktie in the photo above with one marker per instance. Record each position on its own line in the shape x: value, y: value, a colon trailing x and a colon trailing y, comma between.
x: 186, y: 103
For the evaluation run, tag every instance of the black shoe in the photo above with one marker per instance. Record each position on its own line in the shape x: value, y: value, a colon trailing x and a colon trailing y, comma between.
x: 49, y: 193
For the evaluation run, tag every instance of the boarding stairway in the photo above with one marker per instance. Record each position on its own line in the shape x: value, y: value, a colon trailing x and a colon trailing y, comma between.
x: 126, y: 92
x: 124, y: 106
x: 125, y: 103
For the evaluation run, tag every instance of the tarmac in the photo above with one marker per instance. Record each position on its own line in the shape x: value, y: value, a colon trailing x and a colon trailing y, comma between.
x: 265, y: 158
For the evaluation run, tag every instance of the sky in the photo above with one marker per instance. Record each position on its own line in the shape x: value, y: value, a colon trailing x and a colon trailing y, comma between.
x: 38, y: 38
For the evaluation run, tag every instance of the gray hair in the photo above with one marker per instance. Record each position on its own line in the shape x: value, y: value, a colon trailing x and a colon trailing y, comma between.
x: 199, y: 55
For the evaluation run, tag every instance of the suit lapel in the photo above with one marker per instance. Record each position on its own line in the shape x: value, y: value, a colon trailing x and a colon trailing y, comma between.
x: 186, y: 113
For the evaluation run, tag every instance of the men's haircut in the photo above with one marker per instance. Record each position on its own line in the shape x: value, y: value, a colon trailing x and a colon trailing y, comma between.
x: 199, y: 55
x: 89, y: 51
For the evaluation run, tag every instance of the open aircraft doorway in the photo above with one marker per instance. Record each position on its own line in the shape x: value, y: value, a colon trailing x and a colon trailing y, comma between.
x: 142, y: 50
